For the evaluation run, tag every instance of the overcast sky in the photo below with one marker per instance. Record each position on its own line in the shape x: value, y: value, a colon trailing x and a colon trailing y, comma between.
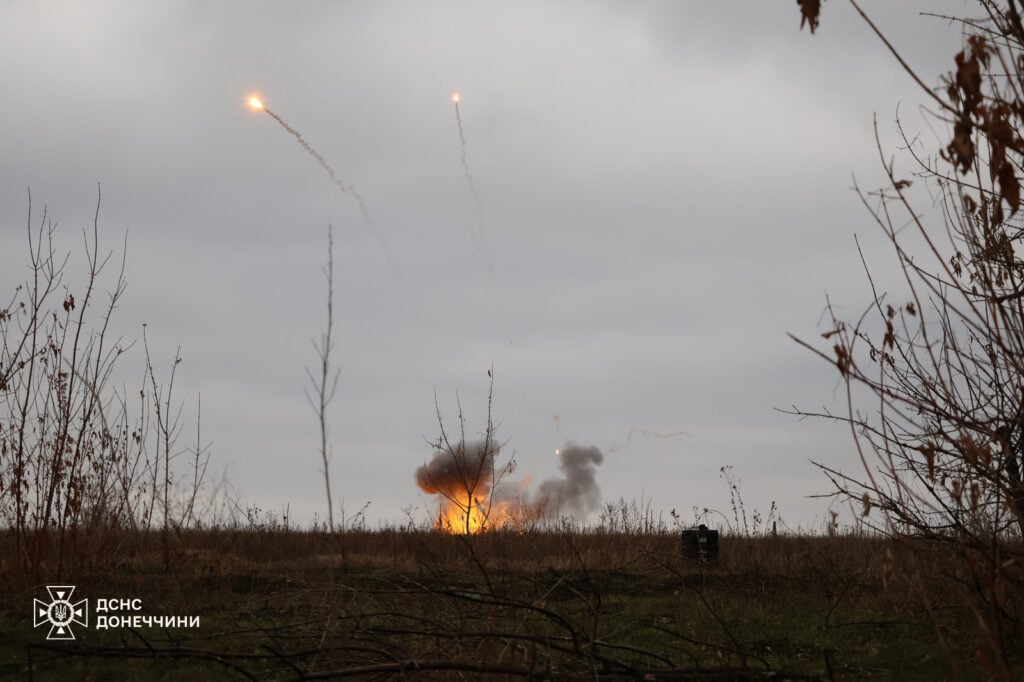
x: 665, y: 192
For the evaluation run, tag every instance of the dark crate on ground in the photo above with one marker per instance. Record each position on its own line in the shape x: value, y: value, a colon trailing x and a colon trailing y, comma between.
x: 700, y: 544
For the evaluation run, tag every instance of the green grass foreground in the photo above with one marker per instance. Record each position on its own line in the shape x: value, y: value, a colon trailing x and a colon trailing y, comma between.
x: 574, y: 604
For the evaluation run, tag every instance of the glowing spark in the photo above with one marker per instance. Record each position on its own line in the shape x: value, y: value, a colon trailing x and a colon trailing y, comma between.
x: 255, y: 103
x: 456, y: 97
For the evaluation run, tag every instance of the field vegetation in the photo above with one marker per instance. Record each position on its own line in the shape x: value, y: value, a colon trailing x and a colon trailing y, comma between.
x: 563, y: 602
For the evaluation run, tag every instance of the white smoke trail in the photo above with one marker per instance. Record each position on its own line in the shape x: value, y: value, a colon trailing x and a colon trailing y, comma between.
x: 479, y: 237
x: 343, y: 186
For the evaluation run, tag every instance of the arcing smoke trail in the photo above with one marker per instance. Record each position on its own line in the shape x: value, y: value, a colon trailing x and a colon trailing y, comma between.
x: 348, y: 189
x: 616, y: 447
x: 479, y: 238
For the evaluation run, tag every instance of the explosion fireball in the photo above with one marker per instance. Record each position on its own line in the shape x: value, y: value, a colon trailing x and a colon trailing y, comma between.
x: 474, y: 497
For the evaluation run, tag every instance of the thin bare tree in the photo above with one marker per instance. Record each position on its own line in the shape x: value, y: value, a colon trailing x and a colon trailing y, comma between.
x: 324, y: 384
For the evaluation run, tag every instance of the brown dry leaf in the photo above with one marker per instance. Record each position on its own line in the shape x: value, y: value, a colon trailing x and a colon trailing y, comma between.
x: 928, y: 450
x: 809, y: 11
x: 889, y: 341
x: 1009, y: 186
x: 968, y: 78
x: 961, y: 148
x: 970, y: 205
x: 843, y: 359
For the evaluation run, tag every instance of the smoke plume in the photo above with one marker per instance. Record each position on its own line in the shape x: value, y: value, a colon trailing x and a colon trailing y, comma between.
x: 454, y: 471
x: 576, y: 492
x: 476, y: 495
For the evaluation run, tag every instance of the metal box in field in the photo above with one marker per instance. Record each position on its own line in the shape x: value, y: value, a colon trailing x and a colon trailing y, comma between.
x: 701, y: 544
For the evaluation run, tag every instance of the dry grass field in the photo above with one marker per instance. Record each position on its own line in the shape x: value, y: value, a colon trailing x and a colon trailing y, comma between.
x: 563, y: 603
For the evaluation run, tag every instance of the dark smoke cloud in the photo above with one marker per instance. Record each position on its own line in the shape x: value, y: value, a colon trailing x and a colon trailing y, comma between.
x: 461, y: 467
x: 576, y: 492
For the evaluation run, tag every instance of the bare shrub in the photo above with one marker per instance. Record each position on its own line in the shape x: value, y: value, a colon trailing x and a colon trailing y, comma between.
x: 79, y: 462
x: 934, y: 382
